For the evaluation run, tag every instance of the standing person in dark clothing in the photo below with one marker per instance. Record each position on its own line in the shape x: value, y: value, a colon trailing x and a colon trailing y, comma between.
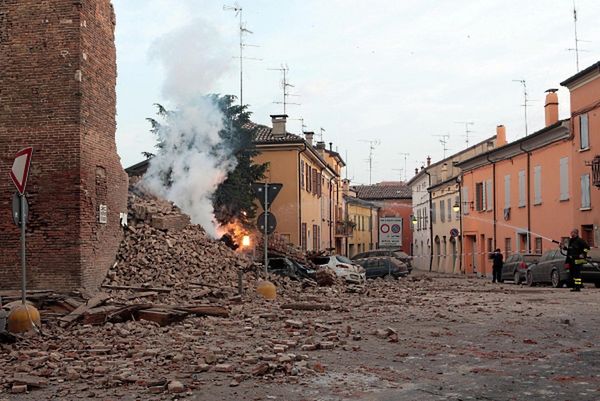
x: 577, y: 250
x: 498, y: 261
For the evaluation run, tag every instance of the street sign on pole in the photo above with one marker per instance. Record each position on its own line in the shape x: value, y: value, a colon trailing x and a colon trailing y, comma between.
x: 20, y: 169
x: 272, y: 190
x: 271, y: 222
x: 16, y: 209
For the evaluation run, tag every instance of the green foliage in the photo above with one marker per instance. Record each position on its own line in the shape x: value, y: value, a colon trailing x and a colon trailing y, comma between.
x: 234, y: 198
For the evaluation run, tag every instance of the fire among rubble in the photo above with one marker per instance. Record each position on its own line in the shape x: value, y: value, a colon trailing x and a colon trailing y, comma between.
x: 236, y: 236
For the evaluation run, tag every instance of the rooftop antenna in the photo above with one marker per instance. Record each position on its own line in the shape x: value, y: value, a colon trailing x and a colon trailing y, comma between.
x: 525, y: 100
x: 321, y: 130
x: 467, y: 130
x: 576, y: 49
x: 405, y: 157
x: 243, y: 30
x: 444, y: 141
x: 400, y: 171
x: 346, y: 160
x: 302, y: 125
x: 285, y: 85
x: 372, y: 144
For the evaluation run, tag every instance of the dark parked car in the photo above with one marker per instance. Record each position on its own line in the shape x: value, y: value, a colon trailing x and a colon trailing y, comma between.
x: 290, y: 268
x: 383, y: 266
x: 397, y: 254
x: 515, y: 266
x: 551, y: 269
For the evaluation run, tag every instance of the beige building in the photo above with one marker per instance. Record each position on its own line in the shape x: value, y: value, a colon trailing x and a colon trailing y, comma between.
x: 363, y: 218
x: 307, y: 208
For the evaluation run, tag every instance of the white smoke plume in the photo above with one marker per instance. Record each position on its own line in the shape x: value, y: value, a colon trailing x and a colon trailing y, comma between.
x: 193, y: 59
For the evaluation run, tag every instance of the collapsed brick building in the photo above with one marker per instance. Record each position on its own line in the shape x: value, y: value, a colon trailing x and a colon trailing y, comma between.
x: 57, y: 94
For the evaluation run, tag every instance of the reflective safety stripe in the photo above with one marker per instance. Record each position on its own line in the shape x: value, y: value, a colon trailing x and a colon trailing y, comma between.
x: 579, y: 261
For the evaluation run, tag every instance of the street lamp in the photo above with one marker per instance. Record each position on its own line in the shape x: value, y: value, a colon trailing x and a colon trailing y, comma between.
x: 414, y: 219
x: 456, y: 207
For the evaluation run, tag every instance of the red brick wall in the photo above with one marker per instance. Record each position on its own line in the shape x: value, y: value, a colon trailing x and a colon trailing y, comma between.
x: 57, y: 94
x: 400, y: 208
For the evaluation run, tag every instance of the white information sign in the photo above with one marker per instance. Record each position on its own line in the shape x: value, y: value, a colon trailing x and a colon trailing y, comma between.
x: 390, y: 232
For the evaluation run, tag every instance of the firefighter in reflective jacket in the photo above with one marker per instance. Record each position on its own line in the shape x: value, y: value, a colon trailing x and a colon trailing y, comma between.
x: 577, y: 250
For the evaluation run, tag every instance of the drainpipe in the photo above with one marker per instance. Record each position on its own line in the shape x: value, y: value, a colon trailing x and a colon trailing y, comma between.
x: 430, y: 221
x: 528, y: 153
x: 300, y: 199
x: 331, y: 219
x: 460, y: 214
x: 494, y: 197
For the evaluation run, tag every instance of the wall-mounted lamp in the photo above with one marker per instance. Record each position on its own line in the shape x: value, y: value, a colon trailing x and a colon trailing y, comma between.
x: 456, y: 206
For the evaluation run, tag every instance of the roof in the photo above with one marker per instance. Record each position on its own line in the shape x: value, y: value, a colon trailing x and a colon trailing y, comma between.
x: 581, y: 74
x: 383, y: 191
x: 357, y: 201
x: 264, y: 134
x: 138, y: 169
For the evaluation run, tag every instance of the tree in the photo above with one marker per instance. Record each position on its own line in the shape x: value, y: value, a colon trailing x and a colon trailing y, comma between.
x: 234, y: 197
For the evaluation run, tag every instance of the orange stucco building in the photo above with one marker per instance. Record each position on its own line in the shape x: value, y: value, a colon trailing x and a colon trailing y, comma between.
x: 309, y: 207
x: 522, y: 196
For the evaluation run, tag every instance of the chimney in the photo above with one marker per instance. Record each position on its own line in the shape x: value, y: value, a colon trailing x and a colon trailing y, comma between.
x: 551, y: 107
x: 500, y: 135
x: 428, y: 161
x: 309, y: 137
x: 331, y: 146
x: 320, y: 145
x: 444, y: 172
x: 345, y: 186
x: 416, y: 170
x: 278, y: 121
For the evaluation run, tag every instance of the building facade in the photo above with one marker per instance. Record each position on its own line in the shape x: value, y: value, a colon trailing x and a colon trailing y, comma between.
x: 57, y: 91
x: 310, y: 203
x: 363, y: 217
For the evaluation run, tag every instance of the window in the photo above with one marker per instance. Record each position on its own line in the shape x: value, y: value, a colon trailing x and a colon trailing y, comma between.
x: 449, y: 209
x: 506, y: 191
x: 587, y: 234
x: 433, y: 214
x: 419, y: 220
x: 308, y: 178
x: 564, y: 178
x: 490, y: 245
x: 585, y: 191
x: 537, y: 185
x: 303, y: 237
x: 522, y: 194
x: 584, y: 131
x: 302, y: 174
x: 442, y: 211
x: 425, y: 218
x: 538, y: 245
x: 489, y: 196
x: 315, y: 231
x: 465, y: 199
x: 507, y: 246
x: 479, y: 201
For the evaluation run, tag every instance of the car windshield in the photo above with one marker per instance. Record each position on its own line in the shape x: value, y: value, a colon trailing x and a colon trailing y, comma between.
x: 401, y: 255
x: 343, y: 259
x: 320, y: 260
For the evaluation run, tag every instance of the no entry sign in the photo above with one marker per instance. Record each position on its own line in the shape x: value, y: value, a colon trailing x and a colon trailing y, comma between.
x: 20, y: 169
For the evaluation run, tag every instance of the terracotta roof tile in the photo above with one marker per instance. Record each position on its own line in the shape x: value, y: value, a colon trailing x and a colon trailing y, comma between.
x: 383, y: 191
x: 264, y: 134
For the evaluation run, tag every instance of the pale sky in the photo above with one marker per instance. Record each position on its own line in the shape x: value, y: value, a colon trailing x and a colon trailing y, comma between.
x: 397, y: 72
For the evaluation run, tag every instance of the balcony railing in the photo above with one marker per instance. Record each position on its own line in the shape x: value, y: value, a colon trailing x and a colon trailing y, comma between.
x: 343, y: 229
x: 596, y: 171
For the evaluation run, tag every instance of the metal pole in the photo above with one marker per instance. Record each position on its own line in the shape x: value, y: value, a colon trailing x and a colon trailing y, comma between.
x: 23, y: 259
x: 266, y: 238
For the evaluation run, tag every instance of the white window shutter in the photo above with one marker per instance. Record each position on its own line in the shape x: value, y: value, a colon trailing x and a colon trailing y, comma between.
x: 506, y: 191
x: 584, y: 131
x: 537, y: 185
x: 489, y: 195
x: 564, y: 178
x: 585, y: 191
x: 522, y: 189
x: 465, y: 206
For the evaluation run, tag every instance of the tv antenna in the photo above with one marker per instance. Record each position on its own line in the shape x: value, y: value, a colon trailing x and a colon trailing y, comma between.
x: 243, y: 30
x: 576, y: 49
x: 467, y: 130
x: 405, y: 157
x: 321, y: 130
x: 525, y: 100
x: 372, y: 144
x: 444, y: 141
x: 284, y: 69
x: 302, y: 125
x: 400, y: 171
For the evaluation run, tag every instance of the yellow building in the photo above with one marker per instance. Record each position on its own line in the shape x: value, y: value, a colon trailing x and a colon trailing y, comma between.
x: 363, y: 217
x: 310, y: 202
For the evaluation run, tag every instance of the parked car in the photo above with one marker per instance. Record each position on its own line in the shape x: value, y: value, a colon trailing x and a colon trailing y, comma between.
x: 290, y: 268
x: 551, y: 269
x: 342, y: 267
x: 515, y: 266
x: 398, y: 254
x: 383, y: 266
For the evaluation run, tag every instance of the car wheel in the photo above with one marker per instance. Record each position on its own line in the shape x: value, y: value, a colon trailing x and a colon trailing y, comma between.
x: 555, y: 279
x: 529, y: 279
x: 517, y: 278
